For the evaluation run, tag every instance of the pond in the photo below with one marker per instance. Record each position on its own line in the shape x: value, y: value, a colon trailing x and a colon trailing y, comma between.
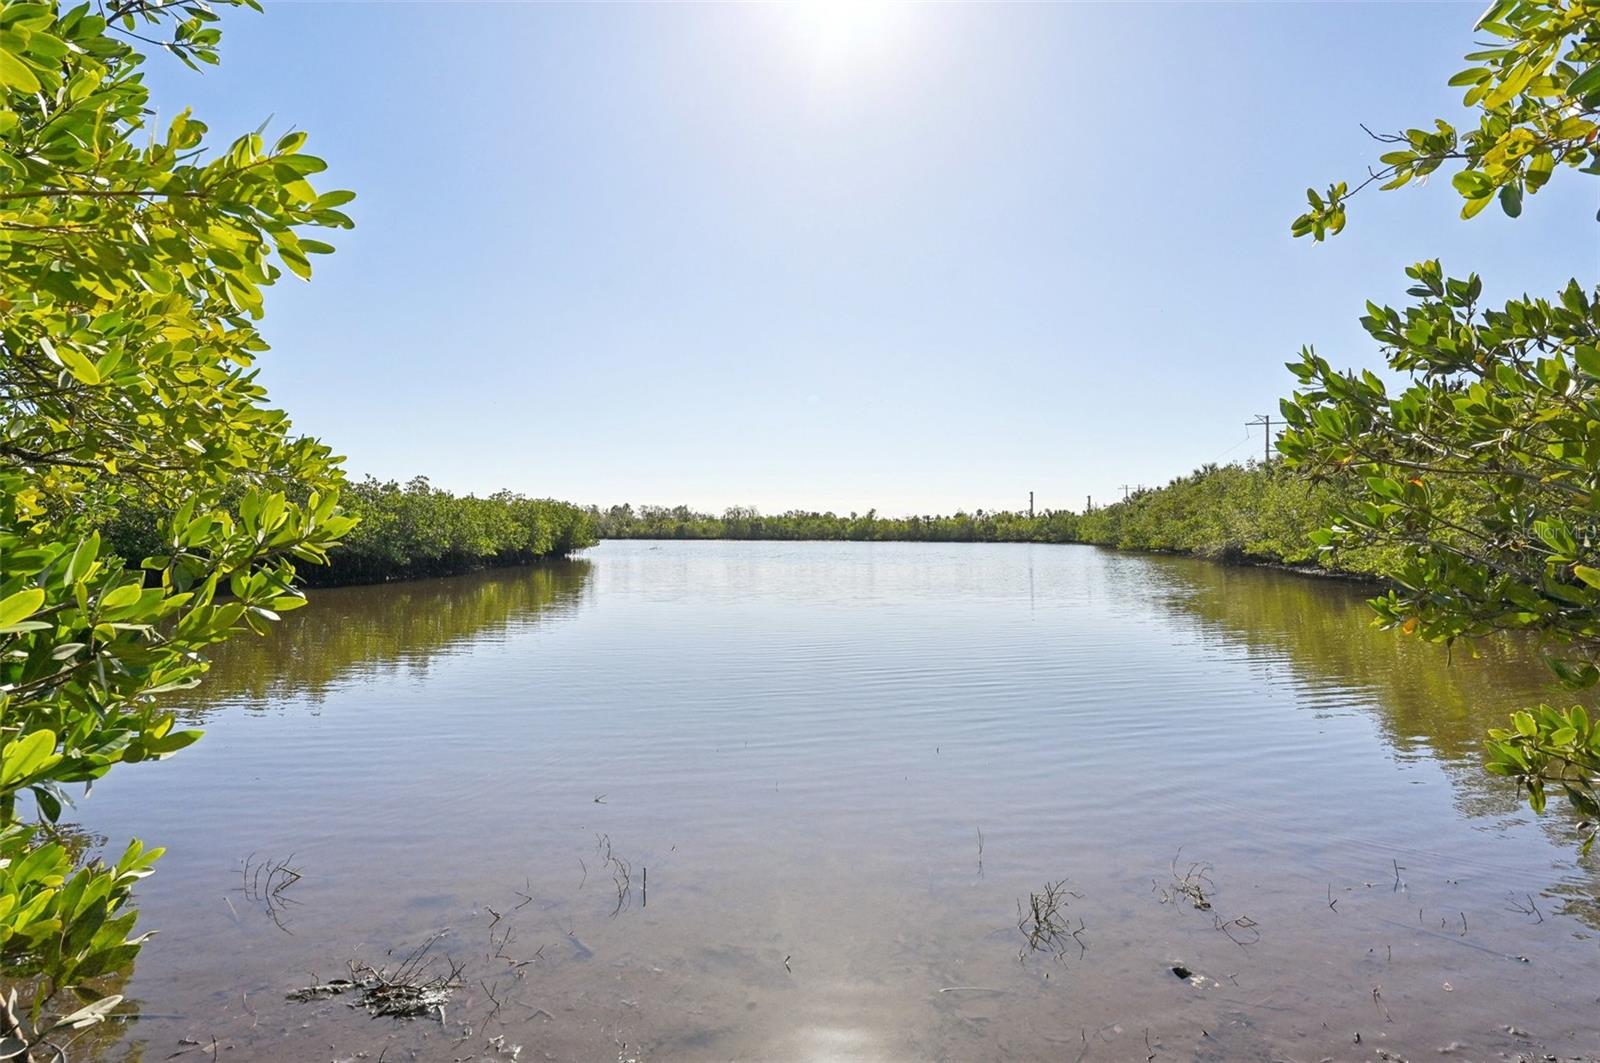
x: 791, y: 801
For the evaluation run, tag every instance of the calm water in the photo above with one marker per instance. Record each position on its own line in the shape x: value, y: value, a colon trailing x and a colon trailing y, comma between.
x: 844, y: 766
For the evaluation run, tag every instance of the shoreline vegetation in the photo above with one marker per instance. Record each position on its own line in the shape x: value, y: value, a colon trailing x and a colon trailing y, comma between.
x: 1250, y: 514
x: 407, y: 531
x: 1261, y: 515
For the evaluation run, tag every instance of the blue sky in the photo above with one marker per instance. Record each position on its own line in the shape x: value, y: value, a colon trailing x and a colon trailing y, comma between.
x: 927, y: 258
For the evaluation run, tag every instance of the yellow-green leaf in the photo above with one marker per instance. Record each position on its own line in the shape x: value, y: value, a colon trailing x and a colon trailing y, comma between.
x: 14, y: 73
x: 20, y: 605
x: 27, y: 755
x: 78, y: 365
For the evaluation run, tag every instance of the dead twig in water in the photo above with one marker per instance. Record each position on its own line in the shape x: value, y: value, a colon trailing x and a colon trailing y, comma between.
x: 1197, y: 887
x: 1243, y: 923
x: 1532, y: 908
x: 1377, y: 998
x: 1194, y: 884
x: 499, y: 947
x: 264, y: 883
x: 621, y: 872
x: 1042, y: 925
x: 496, y: 1000
x: 621, y: 878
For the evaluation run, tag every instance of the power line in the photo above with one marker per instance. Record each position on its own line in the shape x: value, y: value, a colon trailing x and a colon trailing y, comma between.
x: 1265, y: 421
x: 1231, y: 449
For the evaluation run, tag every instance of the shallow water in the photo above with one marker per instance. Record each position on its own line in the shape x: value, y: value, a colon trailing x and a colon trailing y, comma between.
x: 841, y: 768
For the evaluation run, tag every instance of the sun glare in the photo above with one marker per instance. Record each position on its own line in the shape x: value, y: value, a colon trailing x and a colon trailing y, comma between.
x: 839, y: 34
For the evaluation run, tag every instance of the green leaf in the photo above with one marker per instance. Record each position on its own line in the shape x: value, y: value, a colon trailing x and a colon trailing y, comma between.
x: 20, y: 606
x: 1585, y: 83
x: 14, y: 73
x: 1589, y: 575
x: 1494, y: 12
x: 78, y: 365
x: 1511, y: 201
x: 24, y: 756
x: 1472, y: 184
x: 121, y: 596
x: 82, y: 558
x: 330, y: 200
x: 1473, y: 207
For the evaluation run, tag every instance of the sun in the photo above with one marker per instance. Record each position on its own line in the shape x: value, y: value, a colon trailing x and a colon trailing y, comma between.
x: 840, y: 34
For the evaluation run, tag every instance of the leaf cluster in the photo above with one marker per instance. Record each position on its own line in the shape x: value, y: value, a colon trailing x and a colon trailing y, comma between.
x: 1481, y: 472
x: 1535, y: 86
x: 133, y: 266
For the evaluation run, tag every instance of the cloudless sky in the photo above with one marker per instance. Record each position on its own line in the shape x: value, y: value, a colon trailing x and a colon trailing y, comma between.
x: 820, y: 256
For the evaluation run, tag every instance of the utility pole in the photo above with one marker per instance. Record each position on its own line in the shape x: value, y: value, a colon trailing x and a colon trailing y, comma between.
x: 1088, y: 503
x: 1030, y: 505
x: 1125, y: 488
x: 1265, y: 421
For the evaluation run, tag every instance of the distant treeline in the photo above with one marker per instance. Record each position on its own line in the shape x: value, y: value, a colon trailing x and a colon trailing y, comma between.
x: 410, y: 531
x: 1243, y: 513
x: 680, y: 522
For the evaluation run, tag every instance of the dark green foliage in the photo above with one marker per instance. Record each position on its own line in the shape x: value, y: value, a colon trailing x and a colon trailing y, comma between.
x: 1241, y: 513
x: 408, y: 532
x: 1479, y: 478
x: 1481, y: 474
x: 421, y: 530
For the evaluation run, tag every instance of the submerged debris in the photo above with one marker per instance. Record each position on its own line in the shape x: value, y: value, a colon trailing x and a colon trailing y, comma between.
x: 405, y: 993
x: 1193, y: 977
x: 331, y: 988
x: 498, y: 1044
